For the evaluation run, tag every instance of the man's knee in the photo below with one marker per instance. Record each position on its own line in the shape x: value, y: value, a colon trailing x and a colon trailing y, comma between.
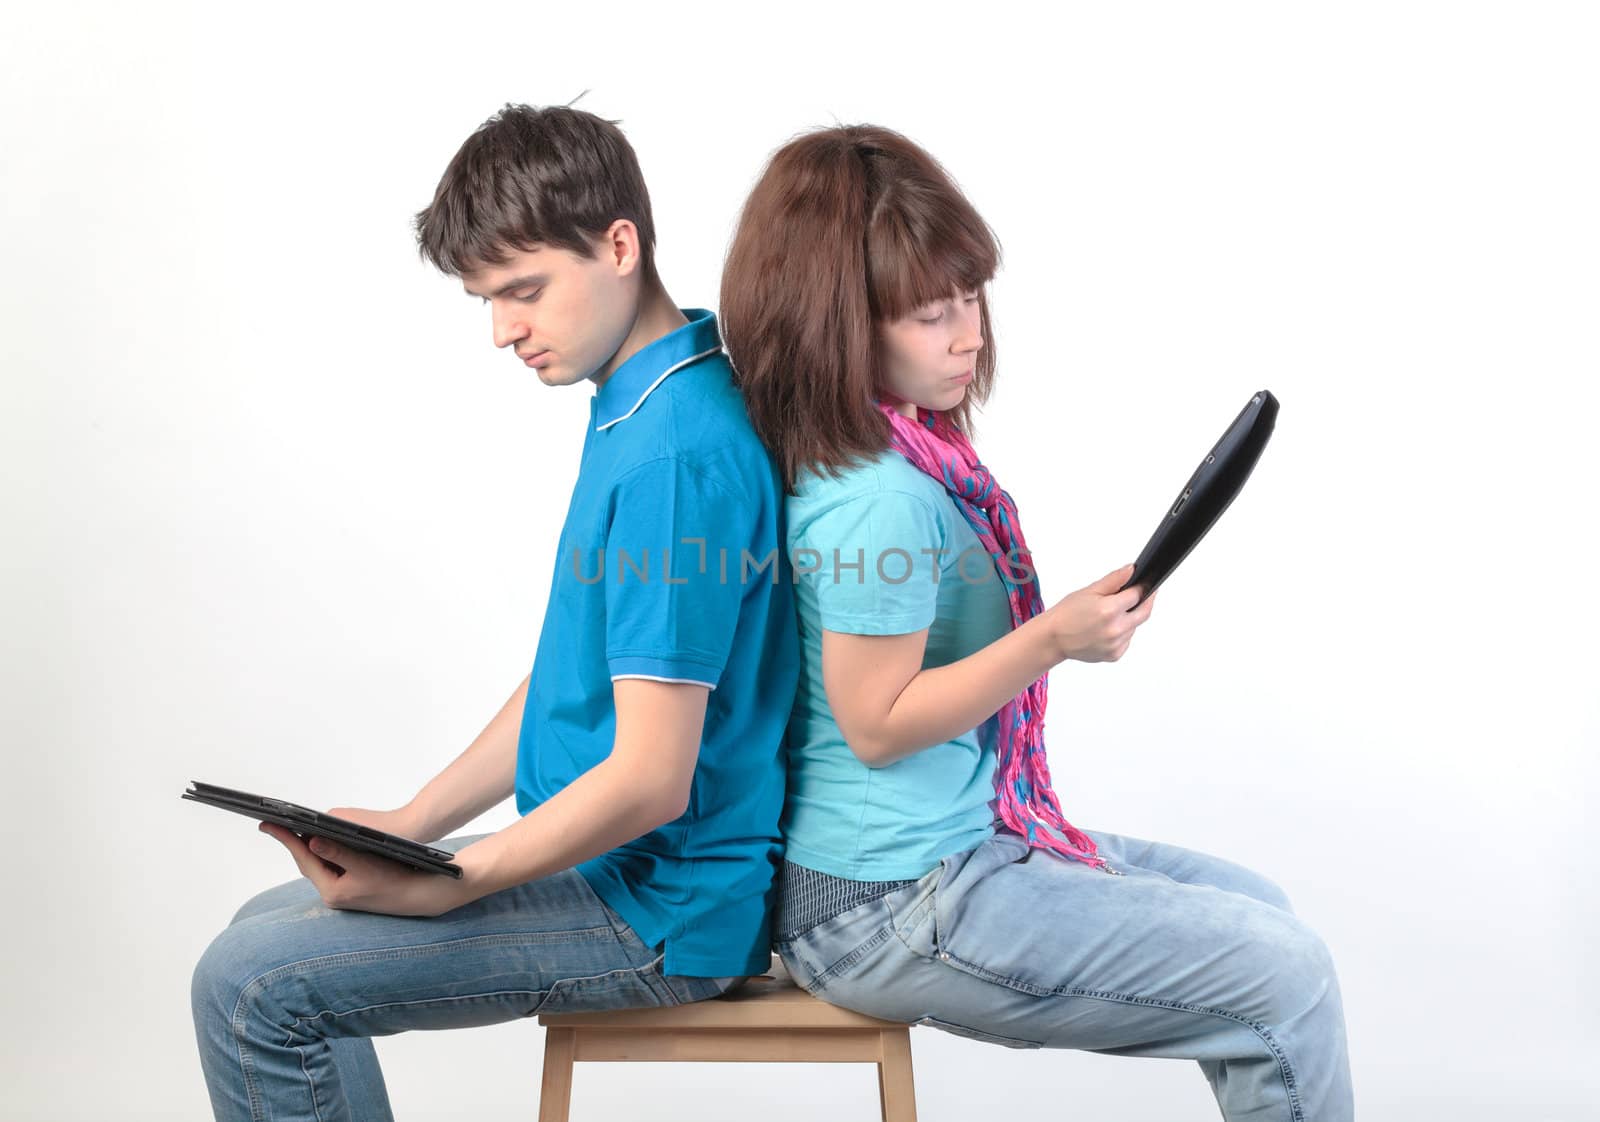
x: 298, y: 891
x: 228, y: 973
x: 219, y: 977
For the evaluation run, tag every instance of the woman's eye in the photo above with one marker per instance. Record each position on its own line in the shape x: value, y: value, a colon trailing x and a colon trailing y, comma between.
x: 933, y: 319
x: 972, y: 298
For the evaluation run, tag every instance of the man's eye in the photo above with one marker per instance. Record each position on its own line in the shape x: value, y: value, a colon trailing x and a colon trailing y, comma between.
x: 528, y: 296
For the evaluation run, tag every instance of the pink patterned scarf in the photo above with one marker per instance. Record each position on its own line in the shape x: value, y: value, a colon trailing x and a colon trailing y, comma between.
x: 1022, y: 777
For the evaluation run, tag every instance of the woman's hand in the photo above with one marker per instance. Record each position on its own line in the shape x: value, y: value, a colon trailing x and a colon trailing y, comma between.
x: 350, y: 880
x: 1094, y: 624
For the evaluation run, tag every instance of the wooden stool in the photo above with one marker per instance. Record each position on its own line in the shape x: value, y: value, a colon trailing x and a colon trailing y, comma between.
x: 769, y: 1019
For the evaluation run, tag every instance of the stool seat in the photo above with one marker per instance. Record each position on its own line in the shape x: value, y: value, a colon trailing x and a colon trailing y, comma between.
x: 769, y: 1000
x: 768, y: 1019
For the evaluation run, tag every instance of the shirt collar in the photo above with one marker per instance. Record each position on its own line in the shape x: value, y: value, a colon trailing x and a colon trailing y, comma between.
x: 620, y: 396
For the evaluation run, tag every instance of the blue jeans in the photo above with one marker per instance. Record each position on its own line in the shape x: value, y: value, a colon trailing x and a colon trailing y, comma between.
x: 1184, y: 955
x: 287, y: 998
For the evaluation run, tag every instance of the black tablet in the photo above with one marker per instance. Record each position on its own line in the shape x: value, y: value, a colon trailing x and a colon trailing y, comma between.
x: 1210, y: 489
x: 311, y: 823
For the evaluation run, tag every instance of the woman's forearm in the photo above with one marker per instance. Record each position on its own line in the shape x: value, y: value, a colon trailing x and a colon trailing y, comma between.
x: 943, y: 702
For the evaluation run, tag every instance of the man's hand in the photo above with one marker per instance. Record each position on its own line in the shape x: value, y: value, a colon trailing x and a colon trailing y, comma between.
x: 351, y: 880
x: 644, y: 783
x: 404, y: 822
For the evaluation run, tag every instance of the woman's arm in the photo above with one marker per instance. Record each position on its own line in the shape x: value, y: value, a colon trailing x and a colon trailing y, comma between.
x: 888, y: 707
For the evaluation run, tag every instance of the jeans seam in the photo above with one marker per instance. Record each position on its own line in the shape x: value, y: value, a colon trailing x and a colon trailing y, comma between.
x: 261, y: 981
x: 316, y: 1106
x: 1285, y: 1067
x: 654, y: 980
x: 458, y: 998
x: 466, y: 997
x: 821, y: 980
x: 621, y: 929
x: 910, y: 922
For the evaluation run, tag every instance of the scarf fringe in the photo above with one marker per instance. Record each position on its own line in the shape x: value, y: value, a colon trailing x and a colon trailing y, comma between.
x: 1028, y: 805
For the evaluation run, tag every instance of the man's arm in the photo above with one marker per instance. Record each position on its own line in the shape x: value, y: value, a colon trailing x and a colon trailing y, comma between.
x: 479, y: 779
x: 644, y: 783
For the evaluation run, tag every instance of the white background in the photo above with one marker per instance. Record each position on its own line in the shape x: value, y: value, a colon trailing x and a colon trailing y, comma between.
x: 278, y: 515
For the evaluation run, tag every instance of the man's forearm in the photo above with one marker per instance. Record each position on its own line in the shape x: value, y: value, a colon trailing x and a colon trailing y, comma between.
x: 604, y: 807
x: 480, y: 778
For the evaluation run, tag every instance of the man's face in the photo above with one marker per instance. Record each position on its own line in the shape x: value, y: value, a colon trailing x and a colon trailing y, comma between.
x: 564, y: 315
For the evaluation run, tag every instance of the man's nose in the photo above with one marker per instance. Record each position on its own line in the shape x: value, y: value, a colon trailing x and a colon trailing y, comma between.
x: 509, y: 328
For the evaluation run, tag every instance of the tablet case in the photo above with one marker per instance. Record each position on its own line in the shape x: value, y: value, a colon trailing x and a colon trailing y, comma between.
x: 307, y: 822
x: 1208, y: 493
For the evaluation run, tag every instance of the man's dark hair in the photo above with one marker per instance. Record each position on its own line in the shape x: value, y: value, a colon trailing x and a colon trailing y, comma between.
x: 555, y: 176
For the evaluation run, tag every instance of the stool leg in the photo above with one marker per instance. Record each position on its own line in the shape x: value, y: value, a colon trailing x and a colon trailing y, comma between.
x: 555, y: 1094
x: 897, y: 1092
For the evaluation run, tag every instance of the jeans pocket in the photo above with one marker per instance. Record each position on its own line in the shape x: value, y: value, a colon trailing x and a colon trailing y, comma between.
x: 799, y: 970
x: 962, y: 874
x: 836, y: 947
x: 976, y: 1034
x: 914, y: 913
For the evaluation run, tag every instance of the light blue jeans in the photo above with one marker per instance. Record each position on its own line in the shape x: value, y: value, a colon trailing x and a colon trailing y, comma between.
x: 287, y: 997
x: 1184, y: 955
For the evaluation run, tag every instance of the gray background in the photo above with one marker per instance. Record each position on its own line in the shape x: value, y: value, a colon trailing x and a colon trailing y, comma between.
x: 277, y: 515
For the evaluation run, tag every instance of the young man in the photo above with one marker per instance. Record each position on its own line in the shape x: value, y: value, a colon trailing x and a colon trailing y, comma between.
x: 644, y: 748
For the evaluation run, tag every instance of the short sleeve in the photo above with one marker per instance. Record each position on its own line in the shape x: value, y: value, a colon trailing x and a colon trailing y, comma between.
x: 873, y: 562
x: 672, y: 605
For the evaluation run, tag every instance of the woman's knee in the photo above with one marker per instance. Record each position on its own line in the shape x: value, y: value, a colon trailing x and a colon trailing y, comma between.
x: 1265, y: 889
x: 1305, y: 980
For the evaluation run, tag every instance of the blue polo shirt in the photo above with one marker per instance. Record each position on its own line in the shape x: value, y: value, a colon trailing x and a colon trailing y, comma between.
x: 672, y: 566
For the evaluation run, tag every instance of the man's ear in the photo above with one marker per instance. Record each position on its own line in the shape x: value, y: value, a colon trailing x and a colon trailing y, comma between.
x: 619, y: 246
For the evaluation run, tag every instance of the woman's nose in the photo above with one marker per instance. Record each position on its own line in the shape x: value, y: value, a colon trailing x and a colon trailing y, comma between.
x: 970, y: 339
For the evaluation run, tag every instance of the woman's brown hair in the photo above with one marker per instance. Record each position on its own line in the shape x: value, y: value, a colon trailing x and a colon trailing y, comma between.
x: 847, y: 227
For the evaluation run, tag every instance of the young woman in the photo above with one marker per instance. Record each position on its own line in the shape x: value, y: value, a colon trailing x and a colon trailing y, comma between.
x: 930, y: 876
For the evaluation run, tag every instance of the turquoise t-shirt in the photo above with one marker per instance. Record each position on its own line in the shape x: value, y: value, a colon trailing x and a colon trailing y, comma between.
x: 864, y: 548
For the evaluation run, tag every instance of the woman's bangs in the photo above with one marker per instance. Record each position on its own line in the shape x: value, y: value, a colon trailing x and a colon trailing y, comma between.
x: 904, y: 277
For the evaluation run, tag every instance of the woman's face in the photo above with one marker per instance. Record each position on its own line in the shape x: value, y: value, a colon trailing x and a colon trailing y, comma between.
x: 929, y: 355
